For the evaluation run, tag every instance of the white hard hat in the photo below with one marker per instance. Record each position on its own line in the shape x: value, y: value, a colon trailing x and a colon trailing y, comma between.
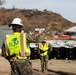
x: 17, y: 21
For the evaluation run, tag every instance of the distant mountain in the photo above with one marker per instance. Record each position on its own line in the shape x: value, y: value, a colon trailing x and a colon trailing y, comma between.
x: 34, y: 18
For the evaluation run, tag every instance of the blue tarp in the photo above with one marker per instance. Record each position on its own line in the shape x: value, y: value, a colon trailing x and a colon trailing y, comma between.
x: 74, y: 35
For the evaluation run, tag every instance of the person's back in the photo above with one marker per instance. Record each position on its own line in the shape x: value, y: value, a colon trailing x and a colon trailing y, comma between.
x: 16, y: 50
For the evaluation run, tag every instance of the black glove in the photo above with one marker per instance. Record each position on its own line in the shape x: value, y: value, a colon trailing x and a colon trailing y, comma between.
x: 10, y: 56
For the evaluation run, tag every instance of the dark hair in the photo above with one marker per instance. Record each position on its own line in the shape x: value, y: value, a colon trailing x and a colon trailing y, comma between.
x: 17, y: 26
x: 43, y: 41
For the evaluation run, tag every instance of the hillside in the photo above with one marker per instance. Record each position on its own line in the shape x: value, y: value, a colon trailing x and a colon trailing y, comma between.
x: 33, y: 18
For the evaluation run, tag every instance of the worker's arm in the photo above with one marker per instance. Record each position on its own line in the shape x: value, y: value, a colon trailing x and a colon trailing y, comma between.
x: 4, y: 53
x: 31, y: 38
x: 50, y: 48
x: 10, y: 56
x: 43, y: 34
x: 39, y: 38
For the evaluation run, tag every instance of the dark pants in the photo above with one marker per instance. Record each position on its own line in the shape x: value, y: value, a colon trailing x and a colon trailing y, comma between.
x: 21, y: 67
x: 44, y: 62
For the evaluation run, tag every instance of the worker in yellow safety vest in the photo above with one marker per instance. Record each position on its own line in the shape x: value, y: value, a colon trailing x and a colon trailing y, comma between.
x: 16, y: 50
x: 44, y: 48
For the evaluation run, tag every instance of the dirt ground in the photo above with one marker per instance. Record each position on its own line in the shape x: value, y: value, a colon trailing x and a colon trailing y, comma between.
x: 55, y: 67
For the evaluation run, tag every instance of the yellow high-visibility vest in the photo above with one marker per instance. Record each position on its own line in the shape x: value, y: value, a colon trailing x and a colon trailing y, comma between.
x: 16, y: 44
x: 43, y: 48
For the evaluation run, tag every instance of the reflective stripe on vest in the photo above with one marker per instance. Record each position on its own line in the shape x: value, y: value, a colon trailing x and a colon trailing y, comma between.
x: 22, y: 45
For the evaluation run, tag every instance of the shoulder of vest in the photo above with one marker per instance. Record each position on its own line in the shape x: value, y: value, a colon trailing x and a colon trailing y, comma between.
x: 12, y: 34
x: 23, y: 33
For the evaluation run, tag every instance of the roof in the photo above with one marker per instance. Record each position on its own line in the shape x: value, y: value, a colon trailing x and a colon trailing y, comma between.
x: 72, y: 29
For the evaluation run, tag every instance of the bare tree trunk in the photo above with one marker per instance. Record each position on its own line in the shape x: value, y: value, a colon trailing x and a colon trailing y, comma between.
x: 2, y: 2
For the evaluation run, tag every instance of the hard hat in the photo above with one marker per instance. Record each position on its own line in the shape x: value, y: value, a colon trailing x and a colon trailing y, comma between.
x: 17, y: 21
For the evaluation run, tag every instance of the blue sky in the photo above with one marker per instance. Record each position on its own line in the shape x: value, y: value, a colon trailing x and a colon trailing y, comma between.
x: 66, y: 8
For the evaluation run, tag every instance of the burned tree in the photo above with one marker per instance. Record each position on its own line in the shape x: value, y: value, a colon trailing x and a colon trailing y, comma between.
x: 2, y: 2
